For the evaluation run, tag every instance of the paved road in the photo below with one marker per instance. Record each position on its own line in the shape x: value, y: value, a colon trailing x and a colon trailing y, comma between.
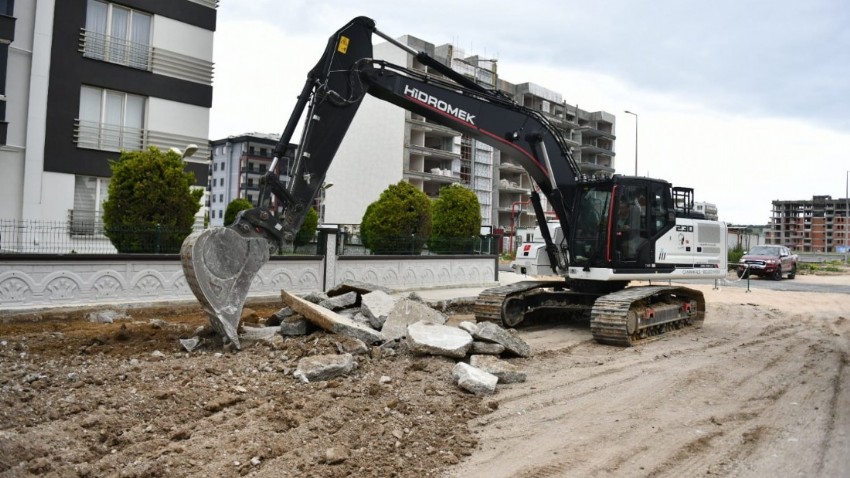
x: 791, y: 285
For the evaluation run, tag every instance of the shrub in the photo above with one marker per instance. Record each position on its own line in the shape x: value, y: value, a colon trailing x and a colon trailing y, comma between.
x: 234, y: 208
x: 308, y: 228
x: 399, y: 222
x: 456, y: 220
x: 151, y: 205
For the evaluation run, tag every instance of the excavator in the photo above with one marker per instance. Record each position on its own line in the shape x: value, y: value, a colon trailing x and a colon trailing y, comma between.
x: 614, y: 229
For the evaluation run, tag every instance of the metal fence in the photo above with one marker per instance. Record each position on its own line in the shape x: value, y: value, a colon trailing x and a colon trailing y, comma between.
x: 79, y: 236
x: 86, y: 235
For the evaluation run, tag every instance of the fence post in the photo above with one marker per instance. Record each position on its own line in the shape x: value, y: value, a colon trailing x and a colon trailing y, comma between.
x: 157, y: 238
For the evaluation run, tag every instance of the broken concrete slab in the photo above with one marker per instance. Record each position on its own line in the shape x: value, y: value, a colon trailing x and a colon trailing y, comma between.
x: 315, y: 297
x: 330, y: 321
x: 486, y: 348
x: 436, y: 339
x: 361, y: 288
x: 323, y: 367
x: 106, y: 316
x: 296, y: 325
x: 376, y: 306
x: 191, y: 343
x: 340, y: 302
x: 277, y: 317
x: 258, y: 334
x: 350, y: 345
x: 468, y: 326
x: 407, y: 312
x: 490, y: 332
x: 474, y: 380
x: 506, y: 371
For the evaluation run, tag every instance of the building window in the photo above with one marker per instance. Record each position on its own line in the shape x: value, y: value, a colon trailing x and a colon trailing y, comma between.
x: 118, y: 35
x: 89, y: 194
x: 110, y: 120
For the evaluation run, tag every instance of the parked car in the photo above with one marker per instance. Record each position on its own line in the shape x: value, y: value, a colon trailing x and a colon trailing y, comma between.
x: 768, y: 261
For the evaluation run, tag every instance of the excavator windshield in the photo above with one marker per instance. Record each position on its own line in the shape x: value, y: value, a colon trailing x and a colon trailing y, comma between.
x: 589, y: 244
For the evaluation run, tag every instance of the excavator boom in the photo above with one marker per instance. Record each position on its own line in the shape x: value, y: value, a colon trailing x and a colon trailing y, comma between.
x: 220, y: 263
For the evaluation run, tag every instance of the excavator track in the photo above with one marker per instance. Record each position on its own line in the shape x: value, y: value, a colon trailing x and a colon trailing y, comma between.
x: 638, y: 314
x: 624, y: 318
x: 490, y: 304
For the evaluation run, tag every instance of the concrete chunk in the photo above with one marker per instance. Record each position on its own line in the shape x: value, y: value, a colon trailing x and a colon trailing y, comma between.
x: 474, y: 380
x: 506, y: 371
x: 436, y: 339
x: 324, y: 367
x: 408, y: 312
x: 468, y: 326
x: 490, y: 332
x: 331, y: 321
x: 277, y: 317
x: 376, y: 306
x: 258, y: 334
x: 296, y: 325
x: 362, y: 288
x: 340, y: 302
x: 486, y: 348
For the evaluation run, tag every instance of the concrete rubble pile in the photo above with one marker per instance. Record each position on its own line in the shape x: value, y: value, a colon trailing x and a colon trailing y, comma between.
x: 364, y: 315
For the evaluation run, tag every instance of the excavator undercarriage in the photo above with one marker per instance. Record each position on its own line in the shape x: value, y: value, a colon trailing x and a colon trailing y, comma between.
x: 625, y: 317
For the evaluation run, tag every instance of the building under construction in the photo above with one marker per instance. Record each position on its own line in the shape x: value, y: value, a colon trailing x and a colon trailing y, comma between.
x: 821, y: 224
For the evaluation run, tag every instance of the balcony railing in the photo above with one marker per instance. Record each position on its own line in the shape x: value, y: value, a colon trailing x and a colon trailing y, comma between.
x: 115, y: 50
x: 105, y: 137
x: 143, y: 57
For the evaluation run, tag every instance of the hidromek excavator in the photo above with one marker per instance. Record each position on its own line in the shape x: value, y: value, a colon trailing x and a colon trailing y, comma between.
x: 615, y: 229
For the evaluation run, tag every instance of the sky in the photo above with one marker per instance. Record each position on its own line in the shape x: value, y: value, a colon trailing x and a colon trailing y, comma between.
x: 746, y: 101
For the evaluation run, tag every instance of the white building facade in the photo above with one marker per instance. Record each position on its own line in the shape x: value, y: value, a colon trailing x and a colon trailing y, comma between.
x: 89, y: 78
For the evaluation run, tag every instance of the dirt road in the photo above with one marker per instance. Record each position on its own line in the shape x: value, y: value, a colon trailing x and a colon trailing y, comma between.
x: 761, y: 390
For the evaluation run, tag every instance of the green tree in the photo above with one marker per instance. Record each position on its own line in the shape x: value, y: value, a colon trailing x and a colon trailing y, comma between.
x: 399, y: 222
x: 456, y: 220
x: 308, y: 228
x: 234, y: 208
x: 151, y: 205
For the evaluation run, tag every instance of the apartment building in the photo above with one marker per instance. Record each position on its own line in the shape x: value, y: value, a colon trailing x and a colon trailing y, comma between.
x: 85, y: 79
x: 386, y: 144
x: 821, y: 224
x: 238, y: 163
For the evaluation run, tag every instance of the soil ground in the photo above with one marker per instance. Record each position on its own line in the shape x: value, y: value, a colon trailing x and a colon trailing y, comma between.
x: 762, y: 389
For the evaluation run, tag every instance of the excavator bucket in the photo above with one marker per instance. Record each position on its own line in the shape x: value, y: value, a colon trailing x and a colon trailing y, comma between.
x: 219, y: 265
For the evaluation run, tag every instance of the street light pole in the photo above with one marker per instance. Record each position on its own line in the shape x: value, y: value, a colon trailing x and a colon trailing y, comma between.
x: 846, y: 215
x: 636, y: 140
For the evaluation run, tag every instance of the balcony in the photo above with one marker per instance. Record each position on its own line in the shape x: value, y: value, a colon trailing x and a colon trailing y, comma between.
x: 140, y: 56
x: 437, y: 178
x: 431, y: 128
x: 106, y: 137
x: 507, y: 166
x: 431, y: 152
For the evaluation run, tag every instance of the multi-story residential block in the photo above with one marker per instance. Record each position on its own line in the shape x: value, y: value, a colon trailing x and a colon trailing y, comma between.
x: 85, y: 79
x: 238, y: 163
x: 821, y: 224
x: 386, y: 144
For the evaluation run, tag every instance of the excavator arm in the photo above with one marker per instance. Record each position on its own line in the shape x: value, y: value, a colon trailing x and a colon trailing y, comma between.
x: 220, y: 263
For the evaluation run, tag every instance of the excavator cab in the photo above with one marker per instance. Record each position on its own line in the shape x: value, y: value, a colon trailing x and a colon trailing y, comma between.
x: 618, y: 220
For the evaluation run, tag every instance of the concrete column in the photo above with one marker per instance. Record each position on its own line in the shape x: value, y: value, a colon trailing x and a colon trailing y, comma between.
x: 327, y: 248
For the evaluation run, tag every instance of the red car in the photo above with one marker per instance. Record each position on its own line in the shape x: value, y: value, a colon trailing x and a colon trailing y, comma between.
x: 768, y: 261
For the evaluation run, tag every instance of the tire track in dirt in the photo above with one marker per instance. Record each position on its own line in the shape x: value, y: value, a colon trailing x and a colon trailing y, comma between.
x: 742, y: 380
